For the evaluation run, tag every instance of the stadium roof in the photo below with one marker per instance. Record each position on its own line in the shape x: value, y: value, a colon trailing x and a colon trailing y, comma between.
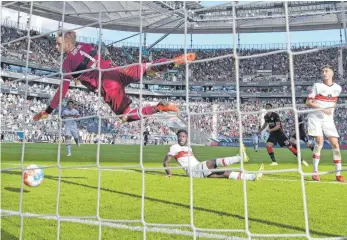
x: 166, y: 16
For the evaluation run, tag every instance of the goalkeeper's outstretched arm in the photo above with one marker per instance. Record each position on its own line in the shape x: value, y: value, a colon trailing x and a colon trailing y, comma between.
x: 55, y: 101
x: 166, y: 165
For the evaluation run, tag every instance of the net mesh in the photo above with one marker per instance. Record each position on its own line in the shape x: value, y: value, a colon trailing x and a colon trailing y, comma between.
x: 145, y: 227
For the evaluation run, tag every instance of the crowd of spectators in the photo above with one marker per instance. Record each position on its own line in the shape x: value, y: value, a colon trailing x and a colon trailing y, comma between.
x: 17, y: 111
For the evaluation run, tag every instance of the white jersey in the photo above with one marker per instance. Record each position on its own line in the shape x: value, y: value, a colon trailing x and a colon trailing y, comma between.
x: 254, y: 133
x: 183, y: 154
x: 324, y: 96
x: 70, y: 123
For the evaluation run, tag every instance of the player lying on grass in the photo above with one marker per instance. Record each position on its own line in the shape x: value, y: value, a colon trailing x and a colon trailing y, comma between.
x: 302, y: 134
x: 81, y: 56
x: 320, y: 123
x: 276, y: 135
x: 182, y: 153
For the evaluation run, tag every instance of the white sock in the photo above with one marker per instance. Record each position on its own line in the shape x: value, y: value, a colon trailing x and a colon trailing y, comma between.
x: 241, y: 176
x: 68, y: 146
x: 316, y: 156
x: 222, y: 162
x: 256, y: 147
x: 337, y: 160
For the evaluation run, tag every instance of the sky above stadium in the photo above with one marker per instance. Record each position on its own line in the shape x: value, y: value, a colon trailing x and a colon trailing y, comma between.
x: 198, y: 39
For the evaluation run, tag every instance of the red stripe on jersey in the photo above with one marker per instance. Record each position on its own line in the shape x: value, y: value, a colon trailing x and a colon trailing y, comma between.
x: 223, y: 162
x: 337, y: 161
x: 316, y: 156
x: 182, y: 154
x: 325, y: 98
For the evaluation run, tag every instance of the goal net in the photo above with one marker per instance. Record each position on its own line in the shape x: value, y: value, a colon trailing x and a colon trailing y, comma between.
x: 146, y: 196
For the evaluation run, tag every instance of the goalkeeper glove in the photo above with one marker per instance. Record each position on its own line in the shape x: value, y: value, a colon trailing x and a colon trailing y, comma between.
x: 40, y: 115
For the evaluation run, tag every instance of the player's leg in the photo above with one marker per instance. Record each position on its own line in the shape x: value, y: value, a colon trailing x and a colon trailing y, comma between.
x: 68, y: 144
x: 74, y: 133
x: 114, y: 95
x: 284, y: 141
x: 330, y: 131
x: 271, y: 141
x: 213, y: 164
x: 314, y: 128
x: 256, y: 144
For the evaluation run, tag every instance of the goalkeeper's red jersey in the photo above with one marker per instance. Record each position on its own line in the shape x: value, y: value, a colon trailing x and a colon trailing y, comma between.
x: 84, y: 56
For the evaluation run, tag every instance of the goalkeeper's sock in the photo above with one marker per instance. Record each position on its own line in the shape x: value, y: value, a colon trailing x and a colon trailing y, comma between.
x: 241, y: 176
x: 68, y: 146
x: 222, y: 162
x: 271, y: 153
x: 337, y: 160
x: 135, y: 113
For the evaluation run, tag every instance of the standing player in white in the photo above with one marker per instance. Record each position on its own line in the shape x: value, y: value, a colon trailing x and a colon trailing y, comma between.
x: 183, y: 154
x: 70, y: 125
x: 255, y: 138
x: 321, y: 122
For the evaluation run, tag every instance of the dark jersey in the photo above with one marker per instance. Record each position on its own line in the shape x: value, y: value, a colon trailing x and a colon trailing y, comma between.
x: 271, y: 118
x: 301, y: 125
x: 146, y: 134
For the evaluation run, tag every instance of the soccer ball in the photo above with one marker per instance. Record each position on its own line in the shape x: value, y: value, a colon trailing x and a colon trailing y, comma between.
x: 33, y: 176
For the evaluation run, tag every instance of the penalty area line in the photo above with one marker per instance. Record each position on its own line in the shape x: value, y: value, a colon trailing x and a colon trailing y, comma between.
x: 124, y: 226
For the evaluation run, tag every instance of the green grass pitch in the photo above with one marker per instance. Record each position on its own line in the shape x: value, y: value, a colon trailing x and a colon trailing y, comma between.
x: 275, y: 204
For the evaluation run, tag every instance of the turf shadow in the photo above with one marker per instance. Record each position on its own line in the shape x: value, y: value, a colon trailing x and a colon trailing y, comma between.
x: 15, y: 190
x: 187, y: 206
x: 7, y: 236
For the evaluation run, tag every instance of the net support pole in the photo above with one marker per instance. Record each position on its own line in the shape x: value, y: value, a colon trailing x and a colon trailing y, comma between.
x: 166, y: 34
x: 99, y: 219
x: 291, y: 73
x: 60, y: 122
x: 23, y: 142
x: 239, y: 113
x: 344, y: 20
x: 143, y: 170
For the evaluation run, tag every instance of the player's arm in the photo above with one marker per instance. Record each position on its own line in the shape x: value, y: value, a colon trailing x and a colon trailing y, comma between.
x: 310, y: 101
x: 263, y: 127
x: 278, y: 126
x: 55, y: 101
x: 166, y: 165
x: 76, y: 115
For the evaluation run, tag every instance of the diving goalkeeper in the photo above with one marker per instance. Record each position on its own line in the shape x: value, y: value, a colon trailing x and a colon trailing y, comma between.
x: 82, y: 56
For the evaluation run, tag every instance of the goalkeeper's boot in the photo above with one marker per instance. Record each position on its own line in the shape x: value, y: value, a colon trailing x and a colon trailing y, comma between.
x: 245, y: 156
x: 180, y: 59
x: 315, y: 176
x: 340, y: 179
x: 274, y: 164
x: 40, y: 115
x: 259, y: 175
x: 164, y: 106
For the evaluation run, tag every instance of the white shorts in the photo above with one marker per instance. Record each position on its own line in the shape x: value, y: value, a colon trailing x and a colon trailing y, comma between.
x: 255, y: 140
x: 264, y: 135
x: 71, y: 131
x: 319, y: 127
x: 203, y: 170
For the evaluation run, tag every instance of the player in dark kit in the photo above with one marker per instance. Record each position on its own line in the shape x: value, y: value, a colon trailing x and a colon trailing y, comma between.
x: 82, y: 56
x: 302, y: 134
x: 277, y: 135
x: 145, y: 136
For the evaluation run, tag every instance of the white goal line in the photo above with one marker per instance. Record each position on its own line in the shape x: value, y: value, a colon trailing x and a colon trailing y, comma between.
x: 122, y: 226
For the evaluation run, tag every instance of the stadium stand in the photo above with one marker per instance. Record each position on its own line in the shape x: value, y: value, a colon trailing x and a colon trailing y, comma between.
x: 259, y: 76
